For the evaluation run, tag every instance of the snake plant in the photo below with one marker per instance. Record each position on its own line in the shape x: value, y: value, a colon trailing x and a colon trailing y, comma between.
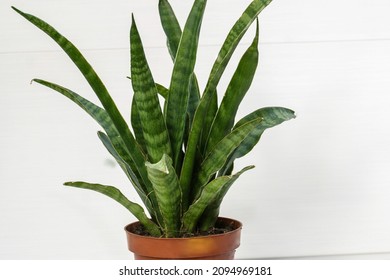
x: 179, y: 157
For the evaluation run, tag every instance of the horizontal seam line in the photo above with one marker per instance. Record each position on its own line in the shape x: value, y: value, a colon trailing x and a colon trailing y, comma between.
x: 213, y: 45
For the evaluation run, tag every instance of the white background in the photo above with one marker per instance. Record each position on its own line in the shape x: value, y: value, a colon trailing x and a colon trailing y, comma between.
x: 321, y: 187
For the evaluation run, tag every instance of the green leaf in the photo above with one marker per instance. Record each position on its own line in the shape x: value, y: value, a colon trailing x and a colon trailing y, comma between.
x: 171, y: 27
x: 128, y: 171
x: 116, y: 194
x: 94, y: 81
x: 207, y: 123
x: 137, y: 126
x: 173, y: 32
x: 237, y: 88
x: 168, y: 193
x: 145, y: 93
x: 211, y: 196
x: 163, y: 91
x: 219, y: 155
x: 177, y: 101
x: 228, y: 47
x: 209, y: 192
x: 101, y: 117
x: 271, y: 116
x: 211, y: 213
x: 234, y: 37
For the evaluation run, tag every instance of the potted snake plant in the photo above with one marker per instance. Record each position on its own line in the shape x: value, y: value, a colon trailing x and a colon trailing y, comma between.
x: 179, y: 155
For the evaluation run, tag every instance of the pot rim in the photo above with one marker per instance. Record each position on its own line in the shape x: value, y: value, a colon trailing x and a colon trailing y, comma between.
x: 236, y: 222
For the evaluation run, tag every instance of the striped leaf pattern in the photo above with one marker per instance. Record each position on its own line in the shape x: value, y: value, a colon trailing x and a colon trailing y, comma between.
x: 237, y: 88
x: 218, y: 156
x: 271, y: 116
x: 202, y: 111
x: 212, y: 193
x: 117, y: 195
x: 211, y: 213
x: 171, y: 27
x: 179, y: 159
x: 94, y: 81
x: 177, y: 102
x: 145, y: 94
x: 234, y: 37
x: 167, y: 189
x: 129, y: 173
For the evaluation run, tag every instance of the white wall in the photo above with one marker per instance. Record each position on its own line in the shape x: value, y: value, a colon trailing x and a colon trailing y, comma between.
x: 321, y: 184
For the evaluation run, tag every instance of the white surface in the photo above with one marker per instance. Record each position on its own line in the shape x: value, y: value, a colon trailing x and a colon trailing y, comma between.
x: 321, y: 186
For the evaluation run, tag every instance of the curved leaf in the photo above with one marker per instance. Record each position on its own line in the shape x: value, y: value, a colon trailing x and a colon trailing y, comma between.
x: 219, y: 155
x: 116, y: 194
x: 211, y: 197
x: 211, y: 213
x: 271, y: 116
x: 96, y: 84
x: 104, y: 120
x: 128, y: 171
x: 209, y: 192
x: 167, y: 189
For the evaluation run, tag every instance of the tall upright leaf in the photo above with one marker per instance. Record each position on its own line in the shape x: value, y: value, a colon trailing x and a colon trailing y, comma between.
x: 171, y: 27
x: 228, y: 47
x: 236, y: 90
x: 145, y: 93
x: 137, y: 125
x: 173, y: 32
x: 234, y: 37
x: 177, y: 102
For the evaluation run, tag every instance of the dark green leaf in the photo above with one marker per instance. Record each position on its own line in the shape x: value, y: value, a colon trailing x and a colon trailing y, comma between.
x: 238, y: 87
x: 171, y: 27
x: 95, y: 83
x: 168, y: 193
x: 211, y: 213
x: 219, y: 155
x: 145, y: 93
x: 115, y: 194
x: 271, y: 116
x: 177, y: 102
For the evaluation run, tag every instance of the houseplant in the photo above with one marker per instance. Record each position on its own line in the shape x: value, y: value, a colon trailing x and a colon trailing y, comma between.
x: 179, y: 157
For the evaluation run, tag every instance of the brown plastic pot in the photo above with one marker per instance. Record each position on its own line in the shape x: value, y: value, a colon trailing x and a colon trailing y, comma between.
x: 210, y: 247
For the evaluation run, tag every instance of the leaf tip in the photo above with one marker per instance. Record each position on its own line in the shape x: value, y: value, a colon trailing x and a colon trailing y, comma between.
x: 16, y: 10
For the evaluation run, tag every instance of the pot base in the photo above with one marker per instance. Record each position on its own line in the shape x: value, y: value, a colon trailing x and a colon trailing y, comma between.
x: 210, y: 247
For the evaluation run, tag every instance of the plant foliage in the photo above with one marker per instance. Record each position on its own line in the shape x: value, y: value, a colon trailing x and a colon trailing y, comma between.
x: 179, y: 157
